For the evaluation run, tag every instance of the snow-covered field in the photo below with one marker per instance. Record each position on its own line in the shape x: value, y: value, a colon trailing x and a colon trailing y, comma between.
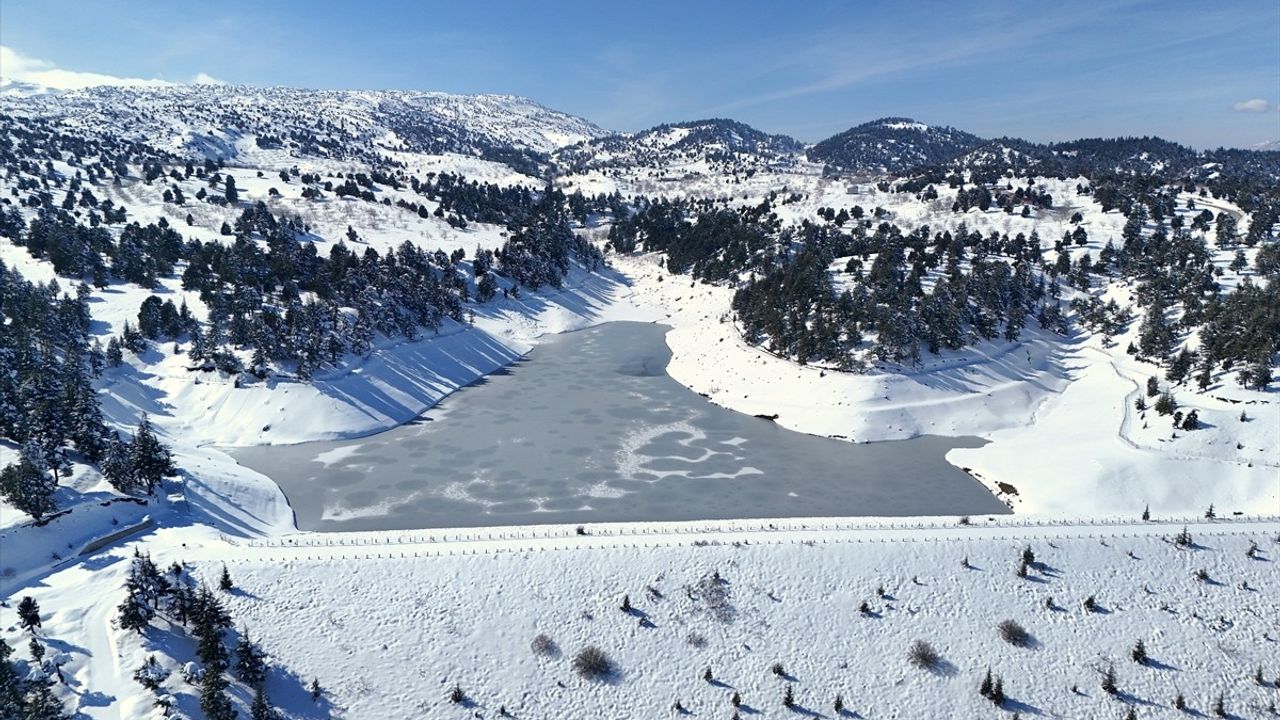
x: 389, y: 623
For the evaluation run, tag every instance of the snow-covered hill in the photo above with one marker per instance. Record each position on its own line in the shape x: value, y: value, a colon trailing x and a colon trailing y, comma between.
x: 233, y: 123
x: 711, y: 145
x: 891, y: 145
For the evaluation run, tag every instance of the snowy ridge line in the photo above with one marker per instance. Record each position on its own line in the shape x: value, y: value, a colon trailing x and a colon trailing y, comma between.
x: 825, y: 525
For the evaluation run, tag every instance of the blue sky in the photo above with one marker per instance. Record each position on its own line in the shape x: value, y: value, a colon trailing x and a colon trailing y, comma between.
x: 1202, y: 73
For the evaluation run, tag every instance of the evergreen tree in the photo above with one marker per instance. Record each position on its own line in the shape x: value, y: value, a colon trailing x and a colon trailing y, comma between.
x: 250, y: 663
x: 117, y: 466
x: 41, y: 704
x: 150, y: 674
x: 29, y: 488
x: 231, y: 193
x: 11, y: 686
x: 997, y: 695
x: 214, y: 701
x: 115, y: 352
x: 1225, y: 230
x: 152, y: 461
x: 1155, y: 338
x: 261, y: 708
x: 29, y: 613
x: 134, y: 614
x: 1179, y: 366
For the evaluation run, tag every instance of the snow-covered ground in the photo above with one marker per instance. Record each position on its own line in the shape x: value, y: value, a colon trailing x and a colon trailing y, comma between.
x: 390, y: 622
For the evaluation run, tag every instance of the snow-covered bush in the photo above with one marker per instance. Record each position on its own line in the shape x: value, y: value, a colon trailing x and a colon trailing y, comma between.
x: 150, y: 674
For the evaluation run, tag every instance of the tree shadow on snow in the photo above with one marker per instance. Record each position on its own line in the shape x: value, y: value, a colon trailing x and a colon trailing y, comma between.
x: 289, y: 692
x: 1020, y: 707
x: 943, y: 668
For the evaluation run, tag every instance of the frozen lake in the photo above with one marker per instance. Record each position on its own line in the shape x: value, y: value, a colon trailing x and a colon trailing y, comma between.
x: 590, y: 428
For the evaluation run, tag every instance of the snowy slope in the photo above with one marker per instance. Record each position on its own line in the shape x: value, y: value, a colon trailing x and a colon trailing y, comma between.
x: 235, y: 122
x: 893, y: 145
x: 390, y: 623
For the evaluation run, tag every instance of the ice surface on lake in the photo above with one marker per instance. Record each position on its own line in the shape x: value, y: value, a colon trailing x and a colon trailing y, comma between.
x: 590, y: 428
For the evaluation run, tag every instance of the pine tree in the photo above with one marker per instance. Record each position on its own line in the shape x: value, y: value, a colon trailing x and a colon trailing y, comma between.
x: 152, y: 461
x: 11, y: 700
x: 214, y: 701
x: 231, y: 193
x: 150, y: 675
x: 117, y: 465
x: 1155, y: 338
x: 1109, y: 681
x: 261, y: 708
x: 997, y: 695
x: 29, y: 614
x: 224, y: 581
x: 115, y: 352
x: 134, y: 614
x: 28, y: 487
x: 250, y: 665
x: 41, y: 704
x: 1139, y: 652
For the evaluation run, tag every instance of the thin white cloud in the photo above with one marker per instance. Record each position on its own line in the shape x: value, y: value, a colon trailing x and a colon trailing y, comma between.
x: 206, y: 79
x: 832, y: 60
x: 18, y: 67
x: 1255, y: 105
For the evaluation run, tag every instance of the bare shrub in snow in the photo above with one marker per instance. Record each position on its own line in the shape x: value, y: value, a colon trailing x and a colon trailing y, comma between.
x: 545, y: 646
x: 696, y: 639
x: 1014, y: 634
x: 712, y: 594
x: 591, y: 662
x: 923, y: 655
